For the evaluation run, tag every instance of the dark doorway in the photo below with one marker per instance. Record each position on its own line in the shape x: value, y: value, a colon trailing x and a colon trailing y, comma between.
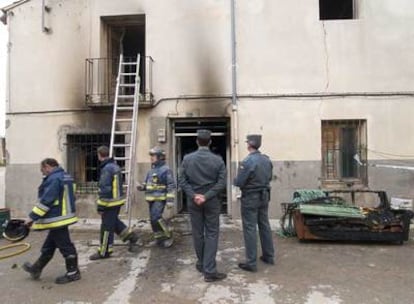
x: 126, y: 36
x: 185, y: 133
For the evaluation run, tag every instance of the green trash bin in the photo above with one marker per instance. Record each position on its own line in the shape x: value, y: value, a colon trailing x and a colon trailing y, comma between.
x: 4, y: 216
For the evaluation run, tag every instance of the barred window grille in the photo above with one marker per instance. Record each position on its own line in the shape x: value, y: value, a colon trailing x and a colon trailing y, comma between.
x: 341, y: 141
x: 82, y: 159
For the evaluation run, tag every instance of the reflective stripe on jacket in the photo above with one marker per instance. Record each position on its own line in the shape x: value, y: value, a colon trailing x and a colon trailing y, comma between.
x: 111, y: 193
x: 159, y: 183
x: 56, y: 202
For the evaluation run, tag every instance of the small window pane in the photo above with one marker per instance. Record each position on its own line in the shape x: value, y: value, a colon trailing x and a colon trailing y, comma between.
x: 336, y: 9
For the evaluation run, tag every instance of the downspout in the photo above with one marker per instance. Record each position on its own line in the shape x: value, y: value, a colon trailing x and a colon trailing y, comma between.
x: 234, y: 109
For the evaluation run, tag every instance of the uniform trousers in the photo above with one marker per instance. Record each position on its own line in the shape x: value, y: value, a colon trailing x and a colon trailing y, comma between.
x: 205, y: 223
x: 58, y: 238
x: 254, y: 212
x: 110, y: 224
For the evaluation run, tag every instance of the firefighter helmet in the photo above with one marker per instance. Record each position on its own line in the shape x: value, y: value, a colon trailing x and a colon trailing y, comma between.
x: 15, y: 230
x: 157, y: 151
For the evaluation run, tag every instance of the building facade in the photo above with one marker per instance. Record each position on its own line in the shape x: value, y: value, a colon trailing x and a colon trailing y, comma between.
x: 321, y: 82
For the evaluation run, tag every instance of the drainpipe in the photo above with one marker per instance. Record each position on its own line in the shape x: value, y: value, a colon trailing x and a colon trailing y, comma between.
x: 234, y: 109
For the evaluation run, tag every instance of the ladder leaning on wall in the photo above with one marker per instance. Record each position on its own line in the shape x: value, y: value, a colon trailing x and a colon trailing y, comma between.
x: 124, y: 123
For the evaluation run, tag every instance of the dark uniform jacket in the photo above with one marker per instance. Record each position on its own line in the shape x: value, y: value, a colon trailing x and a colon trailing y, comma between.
x: 110, y: 192
x: 203, y: 172
x: 56, y: 202
x: 255, y: 173
x: 159, y: 183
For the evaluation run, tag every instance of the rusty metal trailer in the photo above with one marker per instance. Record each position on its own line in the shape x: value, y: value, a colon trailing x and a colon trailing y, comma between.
x: 316, y: 220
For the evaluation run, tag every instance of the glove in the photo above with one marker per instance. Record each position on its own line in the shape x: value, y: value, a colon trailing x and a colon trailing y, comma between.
x: 141, y: 187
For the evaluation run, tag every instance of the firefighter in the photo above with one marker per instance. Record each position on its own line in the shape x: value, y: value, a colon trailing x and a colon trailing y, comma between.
x: 253, y: 178
x: 111, y: 199
x: 159, y: 187
x: 55, y: 211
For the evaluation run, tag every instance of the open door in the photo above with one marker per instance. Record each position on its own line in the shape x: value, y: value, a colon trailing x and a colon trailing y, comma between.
x: 185, y: 135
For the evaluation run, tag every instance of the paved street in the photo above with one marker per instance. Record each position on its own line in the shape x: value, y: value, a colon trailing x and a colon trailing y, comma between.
x: 307, y: 273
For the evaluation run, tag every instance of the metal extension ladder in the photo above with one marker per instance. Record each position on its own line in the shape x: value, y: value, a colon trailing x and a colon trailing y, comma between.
x: 124, y: 123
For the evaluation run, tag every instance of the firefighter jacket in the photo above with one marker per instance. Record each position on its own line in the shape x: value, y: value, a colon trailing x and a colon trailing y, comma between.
x: 159, y: 183
x: 255, y: 173
x: 56, y: 202
x: 111, y: 193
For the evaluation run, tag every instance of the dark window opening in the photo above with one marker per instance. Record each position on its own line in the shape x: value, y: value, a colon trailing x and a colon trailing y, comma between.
x: 336, y: 9
x: 82, y: 159
x: 341, y: 141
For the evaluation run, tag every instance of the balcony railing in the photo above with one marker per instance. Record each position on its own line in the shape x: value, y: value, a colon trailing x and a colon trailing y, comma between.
x: 100, y: 81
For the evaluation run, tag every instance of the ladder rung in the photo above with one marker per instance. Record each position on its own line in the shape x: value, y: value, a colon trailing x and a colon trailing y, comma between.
x: 125, y: 172
x: 121, y: 158
x: 128, y: 85
x: 121, y: 145
x: 126, y: 96
x: 123, y: 132
x: 123, y: 119
x: 125, y: 108
x: 127, y: 74
x: 129, y: 63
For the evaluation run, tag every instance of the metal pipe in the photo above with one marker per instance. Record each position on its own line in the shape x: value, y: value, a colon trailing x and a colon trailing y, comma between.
x: 233, y: 55
x: 289, y: 95
x: 234, y: 110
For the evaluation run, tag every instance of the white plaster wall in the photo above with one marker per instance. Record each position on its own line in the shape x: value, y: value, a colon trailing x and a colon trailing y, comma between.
x: 47, y: 70
x: 34, y: 137
x: 291, y: 128
x: 283, y: 47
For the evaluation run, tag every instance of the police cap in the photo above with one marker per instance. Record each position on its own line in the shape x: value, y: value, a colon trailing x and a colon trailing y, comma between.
x: 203, y: 134
x: 254, y: 140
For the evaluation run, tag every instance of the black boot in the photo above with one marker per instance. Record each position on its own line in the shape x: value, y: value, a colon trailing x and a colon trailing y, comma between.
x: 72, y: 274
x: 36, y: 268
x: 132, y: 238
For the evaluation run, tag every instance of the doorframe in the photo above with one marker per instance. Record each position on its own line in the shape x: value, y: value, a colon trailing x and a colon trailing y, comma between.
x: 175, y: 160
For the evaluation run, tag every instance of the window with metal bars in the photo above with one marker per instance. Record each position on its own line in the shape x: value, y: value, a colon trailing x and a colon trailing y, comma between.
x: 341, y: 141
x: 82, y: 159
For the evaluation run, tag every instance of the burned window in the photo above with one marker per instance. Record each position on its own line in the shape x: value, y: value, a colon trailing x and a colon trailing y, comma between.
x: 82, y: 160
x: 336, y: 9
x: 342, y: 140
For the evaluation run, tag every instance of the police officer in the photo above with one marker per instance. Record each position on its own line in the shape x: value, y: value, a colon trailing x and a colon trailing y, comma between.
x: 55, y: 211
x: 253, y: 178
x: 203, y: 178
x: 159, y: 187
x: 111, y: 198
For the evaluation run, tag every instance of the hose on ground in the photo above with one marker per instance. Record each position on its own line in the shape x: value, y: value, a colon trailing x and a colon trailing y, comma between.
x: 25, y: 247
